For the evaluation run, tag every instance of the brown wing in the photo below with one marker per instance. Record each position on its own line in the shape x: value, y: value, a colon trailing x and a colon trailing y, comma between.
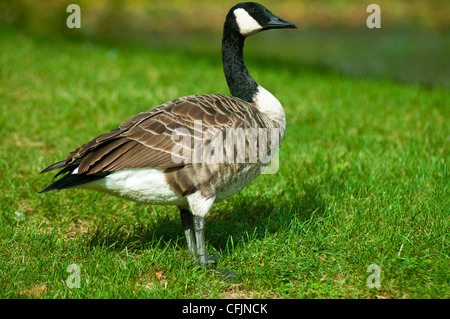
x: 146, y: 140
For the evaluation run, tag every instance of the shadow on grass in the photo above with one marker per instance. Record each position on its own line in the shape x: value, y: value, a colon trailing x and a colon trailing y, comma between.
x: 254, y: 217
x: 251, y: 217
x: 137, y: 236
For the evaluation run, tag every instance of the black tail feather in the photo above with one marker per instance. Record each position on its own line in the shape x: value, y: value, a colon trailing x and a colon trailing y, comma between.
x: 72, y: 180
x: 69, y: 180
x: 54, y: 166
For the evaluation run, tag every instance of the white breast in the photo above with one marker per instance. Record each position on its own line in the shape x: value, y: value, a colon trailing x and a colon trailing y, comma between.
x: 270, y: 106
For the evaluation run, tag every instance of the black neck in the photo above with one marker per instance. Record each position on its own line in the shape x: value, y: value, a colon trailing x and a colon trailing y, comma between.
x: 239, y: 80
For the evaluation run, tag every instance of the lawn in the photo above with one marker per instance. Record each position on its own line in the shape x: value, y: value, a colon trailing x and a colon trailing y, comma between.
x: 363, y: 180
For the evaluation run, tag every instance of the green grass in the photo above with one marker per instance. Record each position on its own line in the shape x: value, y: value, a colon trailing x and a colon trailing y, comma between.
x: 363, y: 180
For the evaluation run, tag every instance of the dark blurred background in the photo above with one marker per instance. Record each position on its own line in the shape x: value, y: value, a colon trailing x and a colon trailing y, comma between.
x: 412, y: 45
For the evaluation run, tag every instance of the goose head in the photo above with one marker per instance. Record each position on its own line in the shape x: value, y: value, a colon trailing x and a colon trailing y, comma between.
x: 248, y: 18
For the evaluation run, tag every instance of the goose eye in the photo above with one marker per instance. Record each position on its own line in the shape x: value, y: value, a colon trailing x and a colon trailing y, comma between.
x: 253, y: 9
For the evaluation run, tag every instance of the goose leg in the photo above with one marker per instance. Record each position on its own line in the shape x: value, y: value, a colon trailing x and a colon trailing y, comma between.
x: 199, y: 206
x: 187, y: 219
x: 202, y: 256
x: 199, y: 226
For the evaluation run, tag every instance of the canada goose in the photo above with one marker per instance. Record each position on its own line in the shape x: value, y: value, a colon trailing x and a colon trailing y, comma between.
x: 138, y: 161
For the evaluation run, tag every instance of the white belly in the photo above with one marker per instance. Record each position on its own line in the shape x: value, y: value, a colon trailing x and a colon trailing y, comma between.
x: 142, y: 185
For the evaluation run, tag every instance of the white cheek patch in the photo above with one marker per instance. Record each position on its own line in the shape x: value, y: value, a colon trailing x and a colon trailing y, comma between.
x: 247, y: 25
